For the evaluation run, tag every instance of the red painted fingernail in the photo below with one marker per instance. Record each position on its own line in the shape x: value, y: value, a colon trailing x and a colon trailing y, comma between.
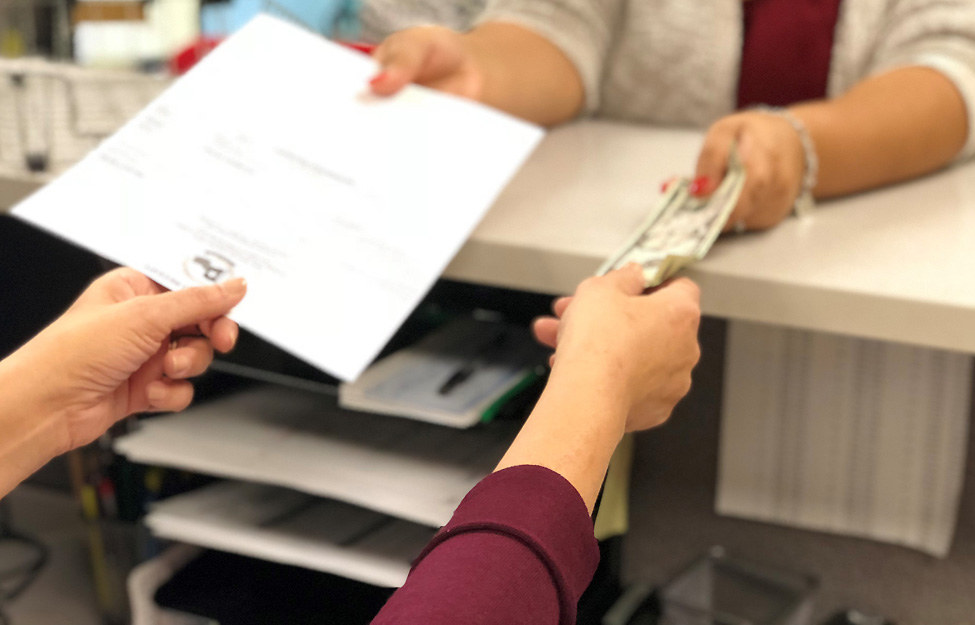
x: 699, y: 185
x: 666, y: 184
x: 378, y: 78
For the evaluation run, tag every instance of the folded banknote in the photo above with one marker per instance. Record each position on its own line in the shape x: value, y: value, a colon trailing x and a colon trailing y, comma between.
x: 681, y: 228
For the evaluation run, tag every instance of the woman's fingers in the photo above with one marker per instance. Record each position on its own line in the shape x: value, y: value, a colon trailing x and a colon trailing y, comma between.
x: 743, y: 211
x: 546, y: 330
x: 712, y: 163
x: 223, y: 334
x: 191, y: 306
x: 428, y: 55
x: 169, y: 395
x: 684, y: 288
x: 560, y: 305
x: 400, y: 58
x: 191, y: 357
x: 629, y: 279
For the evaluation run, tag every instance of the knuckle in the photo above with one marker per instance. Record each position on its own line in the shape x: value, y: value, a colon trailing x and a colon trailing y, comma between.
x: 588, y: 285
x: 202, y: 351
x: 728, y: 124
x: 685, y: 307
x: 385, y: 50
x: 108, y: 282
x: 685, y: 387
x: 710, y: 153
x: 760, y: 176
x: 691, y: 290
x: 114, y: 274
x: 144, y: 308
x: 430, y: 36
x: 143, y: 312
x: 767, y: 219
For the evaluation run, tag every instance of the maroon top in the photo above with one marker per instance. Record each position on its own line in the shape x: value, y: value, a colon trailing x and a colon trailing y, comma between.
x: 519, y: 550
x: 786, y: 53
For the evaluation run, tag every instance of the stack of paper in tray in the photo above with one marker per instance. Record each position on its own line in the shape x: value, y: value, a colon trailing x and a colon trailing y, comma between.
x: 460, y: 375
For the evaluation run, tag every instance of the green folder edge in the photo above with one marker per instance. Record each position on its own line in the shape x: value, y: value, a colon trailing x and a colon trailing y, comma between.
x: 492, y: 411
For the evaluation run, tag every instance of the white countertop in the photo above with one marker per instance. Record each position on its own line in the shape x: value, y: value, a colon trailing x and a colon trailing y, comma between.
x: 896, y: 264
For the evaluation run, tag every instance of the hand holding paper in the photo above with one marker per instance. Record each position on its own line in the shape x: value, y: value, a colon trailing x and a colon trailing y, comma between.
x: 271, y: 161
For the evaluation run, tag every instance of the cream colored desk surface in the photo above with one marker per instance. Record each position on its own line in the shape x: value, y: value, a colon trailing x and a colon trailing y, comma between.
x: 896, y: 264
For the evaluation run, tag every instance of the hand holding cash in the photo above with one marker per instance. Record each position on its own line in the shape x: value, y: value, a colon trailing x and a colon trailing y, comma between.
x: 778, y: 155
x: 681, y: 228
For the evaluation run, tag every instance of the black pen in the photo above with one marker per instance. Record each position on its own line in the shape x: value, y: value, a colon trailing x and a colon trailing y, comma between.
x: 462, y: 373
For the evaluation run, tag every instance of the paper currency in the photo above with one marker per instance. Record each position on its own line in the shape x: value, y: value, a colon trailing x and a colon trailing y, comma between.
x: 681, y: 228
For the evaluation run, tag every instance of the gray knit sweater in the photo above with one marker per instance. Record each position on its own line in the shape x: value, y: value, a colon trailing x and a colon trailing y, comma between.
x: 676, y: 62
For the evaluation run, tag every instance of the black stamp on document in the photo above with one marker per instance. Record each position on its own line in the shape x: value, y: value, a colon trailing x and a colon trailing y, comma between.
x: 208, y: 268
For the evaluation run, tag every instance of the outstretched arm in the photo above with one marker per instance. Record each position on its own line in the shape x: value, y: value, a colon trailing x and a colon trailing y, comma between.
x: 520, y: 547
x: 540, y: 60
x: 502, y: 65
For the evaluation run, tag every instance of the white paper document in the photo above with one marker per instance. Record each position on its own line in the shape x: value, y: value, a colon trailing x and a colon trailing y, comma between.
x: 271, y: 161
x: 844, y: 435
x: 291, y: 528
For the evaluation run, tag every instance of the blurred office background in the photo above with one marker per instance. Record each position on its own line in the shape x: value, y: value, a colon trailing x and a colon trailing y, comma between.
x: 71, y: 72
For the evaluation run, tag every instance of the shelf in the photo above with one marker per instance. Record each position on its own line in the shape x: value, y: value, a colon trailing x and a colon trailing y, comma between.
x: 303, y: 441
x: 292, y: 528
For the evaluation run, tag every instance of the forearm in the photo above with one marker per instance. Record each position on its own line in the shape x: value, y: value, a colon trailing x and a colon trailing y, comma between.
x: 524, y: 74
x: 893, y: 127
x: 574, y: 429
x: 29, y: 434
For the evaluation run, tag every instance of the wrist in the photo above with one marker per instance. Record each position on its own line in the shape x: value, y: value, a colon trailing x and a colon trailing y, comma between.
x: 33, y: 434
x: 810, y: 158
x: 599, y: 390
x: 574, y: 429
x: 32, y: 401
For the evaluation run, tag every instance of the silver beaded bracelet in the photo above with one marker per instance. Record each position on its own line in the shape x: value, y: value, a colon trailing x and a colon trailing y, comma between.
x: 804, y: 201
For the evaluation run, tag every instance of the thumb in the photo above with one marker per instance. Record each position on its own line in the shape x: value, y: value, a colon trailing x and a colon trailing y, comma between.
x: 629, y: 279
x: 175, y: 309
x: 401, y: 57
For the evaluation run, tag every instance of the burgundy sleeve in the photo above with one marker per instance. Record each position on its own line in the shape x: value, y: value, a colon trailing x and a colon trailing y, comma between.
x: 519, y: 549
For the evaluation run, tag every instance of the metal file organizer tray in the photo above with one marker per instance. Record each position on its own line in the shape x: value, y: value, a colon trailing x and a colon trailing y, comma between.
x: 718, y: 589
x: 721, y: 590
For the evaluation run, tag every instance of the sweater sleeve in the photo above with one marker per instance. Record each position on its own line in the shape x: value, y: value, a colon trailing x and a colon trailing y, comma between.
x: 582, y: 29
x: 519, y: 550
x: 939, y: 34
